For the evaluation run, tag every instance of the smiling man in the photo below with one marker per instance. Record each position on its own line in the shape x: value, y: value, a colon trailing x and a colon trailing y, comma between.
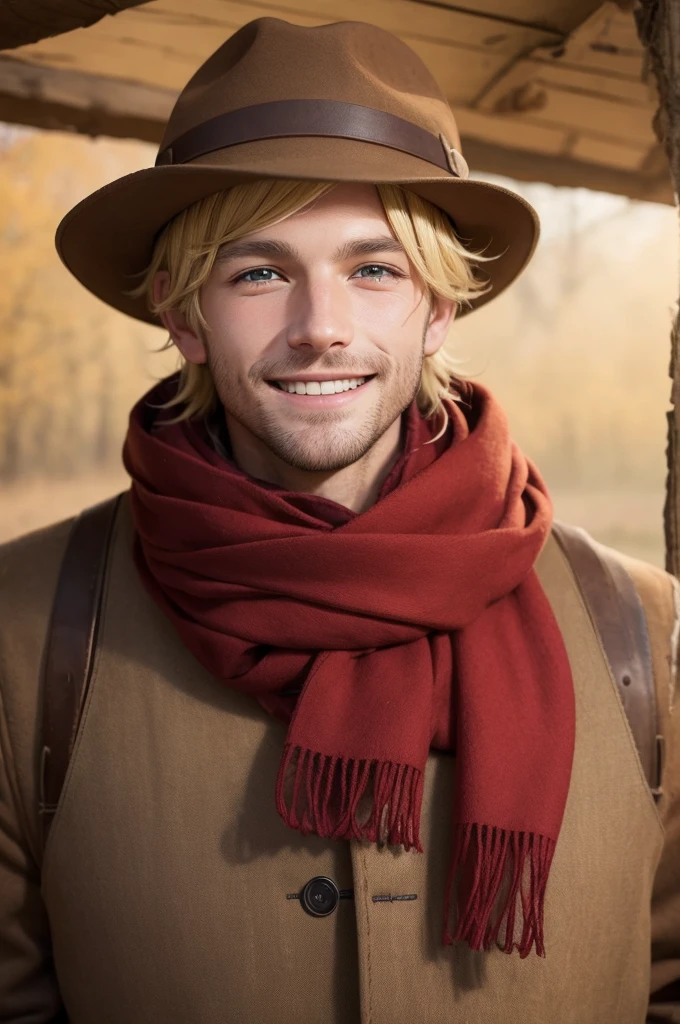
x: 325, y: 719
x: 315, y: 354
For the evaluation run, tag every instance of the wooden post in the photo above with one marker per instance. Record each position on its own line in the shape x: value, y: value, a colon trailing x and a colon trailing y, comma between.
x: 658, y: 26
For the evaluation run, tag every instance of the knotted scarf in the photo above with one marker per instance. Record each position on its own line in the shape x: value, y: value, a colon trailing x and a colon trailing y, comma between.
x: 417, y: 624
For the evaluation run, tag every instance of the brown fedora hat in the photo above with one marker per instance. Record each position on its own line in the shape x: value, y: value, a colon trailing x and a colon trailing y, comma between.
x: 345, y: 102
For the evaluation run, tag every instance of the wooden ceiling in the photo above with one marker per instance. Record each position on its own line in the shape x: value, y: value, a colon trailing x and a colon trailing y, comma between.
x: 544, y: 90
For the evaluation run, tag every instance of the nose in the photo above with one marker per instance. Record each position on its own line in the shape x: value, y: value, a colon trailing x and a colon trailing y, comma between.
x: 320, y: 316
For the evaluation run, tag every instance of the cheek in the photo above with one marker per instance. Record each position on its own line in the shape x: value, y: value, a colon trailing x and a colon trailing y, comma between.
x: 238, y: 327
x: 397, y: 309
x: 246, y: 317
x: 391, y: 323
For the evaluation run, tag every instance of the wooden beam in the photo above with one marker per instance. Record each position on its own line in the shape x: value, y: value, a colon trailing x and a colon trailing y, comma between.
x: 27, y: 21
x: 561, y: 16
x: 76, y: 101
x: 658, y: 24
x: 59, y: 117
x: 51, y: 98
x: 524, y: 165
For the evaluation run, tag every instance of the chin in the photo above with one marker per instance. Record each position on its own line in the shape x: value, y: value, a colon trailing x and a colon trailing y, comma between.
x: 316, y: 459
x: 317, y: 463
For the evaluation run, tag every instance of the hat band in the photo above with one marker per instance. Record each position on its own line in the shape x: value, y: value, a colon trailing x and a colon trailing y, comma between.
x: 284, y: 118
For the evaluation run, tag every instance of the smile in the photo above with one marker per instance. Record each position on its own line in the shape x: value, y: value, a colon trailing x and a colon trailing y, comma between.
x: 318, y: 394
x: 322, y: 387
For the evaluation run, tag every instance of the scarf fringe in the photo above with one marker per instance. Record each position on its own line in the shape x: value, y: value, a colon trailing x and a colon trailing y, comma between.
x: 490, y: 861
x: 327, y: 792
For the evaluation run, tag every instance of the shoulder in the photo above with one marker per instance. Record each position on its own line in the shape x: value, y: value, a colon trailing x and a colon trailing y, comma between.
x: 657, y: 590
x: 29, y: 574
x: 29, y: 568
x: 622, y: 590
x: 658, y: 593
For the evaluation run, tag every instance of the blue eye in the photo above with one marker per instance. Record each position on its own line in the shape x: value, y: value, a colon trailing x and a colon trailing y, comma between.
x: 248, y: 276
x: 259, y: 270
x: 378, y: 266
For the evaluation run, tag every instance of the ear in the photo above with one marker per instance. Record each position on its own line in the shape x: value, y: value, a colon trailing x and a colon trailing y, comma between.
x: 442, y: 314
x: 187, y: 341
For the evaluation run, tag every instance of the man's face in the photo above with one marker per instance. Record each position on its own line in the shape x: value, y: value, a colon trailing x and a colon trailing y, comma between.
x: 326, y: 294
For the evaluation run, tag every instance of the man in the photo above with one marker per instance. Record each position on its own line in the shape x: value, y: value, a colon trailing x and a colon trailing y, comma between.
x: 350, y: 749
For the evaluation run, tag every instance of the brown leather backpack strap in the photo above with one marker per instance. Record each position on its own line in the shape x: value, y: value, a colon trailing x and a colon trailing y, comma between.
x: 70, y: 646
x: 618, y: 616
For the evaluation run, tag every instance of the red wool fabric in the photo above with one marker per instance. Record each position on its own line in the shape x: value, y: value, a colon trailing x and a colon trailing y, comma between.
x: 417, y: 624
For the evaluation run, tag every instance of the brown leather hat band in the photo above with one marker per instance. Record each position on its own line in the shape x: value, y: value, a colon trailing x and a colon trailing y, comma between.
x: 285, y: 118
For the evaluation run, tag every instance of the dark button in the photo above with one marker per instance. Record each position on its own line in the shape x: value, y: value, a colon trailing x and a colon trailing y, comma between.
x: 320, y: 896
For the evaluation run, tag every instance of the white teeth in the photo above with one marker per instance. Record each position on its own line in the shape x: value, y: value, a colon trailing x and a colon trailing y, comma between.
x: 324, y: 387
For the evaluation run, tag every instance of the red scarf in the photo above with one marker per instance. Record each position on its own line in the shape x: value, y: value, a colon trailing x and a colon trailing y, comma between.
x: 417, y: 624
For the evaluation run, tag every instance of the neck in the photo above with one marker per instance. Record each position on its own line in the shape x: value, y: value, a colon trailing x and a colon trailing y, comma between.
x: 356, y: 486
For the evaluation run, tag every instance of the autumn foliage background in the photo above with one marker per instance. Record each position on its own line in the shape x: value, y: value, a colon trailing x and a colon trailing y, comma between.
x: 577, y: 350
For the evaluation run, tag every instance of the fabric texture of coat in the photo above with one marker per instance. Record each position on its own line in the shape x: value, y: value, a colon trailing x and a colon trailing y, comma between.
x: 169, y: 890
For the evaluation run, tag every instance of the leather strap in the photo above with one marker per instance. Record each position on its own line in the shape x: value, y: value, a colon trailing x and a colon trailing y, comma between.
x: 617, y: 613
x: 70, y: 646
x: 330, y: 118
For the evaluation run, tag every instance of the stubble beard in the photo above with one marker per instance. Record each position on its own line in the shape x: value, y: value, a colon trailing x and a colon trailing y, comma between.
x: 323, y: 442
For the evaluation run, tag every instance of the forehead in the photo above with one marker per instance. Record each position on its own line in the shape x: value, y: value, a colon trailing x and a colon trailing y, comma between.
x: 350, y: 220
x: 349, y: 200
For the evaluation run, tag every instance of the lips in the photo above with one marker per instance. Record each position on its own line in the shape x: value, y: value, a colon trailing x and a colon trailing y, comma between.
x: 326, y: 402
x: 279, y: 386
x: 319, y: 380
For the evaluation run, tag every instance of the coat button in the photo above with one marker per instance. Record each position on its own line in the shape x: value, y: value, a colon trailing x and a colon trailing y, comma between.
x: 320, y: 896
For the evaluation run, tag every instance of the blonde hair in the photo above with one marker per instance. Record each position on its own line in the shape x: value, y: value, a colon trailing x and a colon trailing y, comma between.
x: 187, y: 245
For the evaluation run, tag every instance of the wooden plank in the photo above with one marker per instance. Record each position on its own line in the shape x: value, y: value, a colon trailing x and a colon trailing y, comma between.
x: 50, y: 115
x: 516, y: 135
x: 162, y: 44
x: 615, y: 27
x: 30, y: 20
x: 556, y: 15
x: 605, y: 42
x: 582, y: 102
x: 562, y: 171
x: 618, y: 64
x: 519, y: 135
x: 596, y: 116
x: 609, y: 154
x: 555, y: 74
x: 460, y: 77
x: 39, y: 19
x: 410, y: 19
x: 659, y: 26
x: 632, y: 90
x: 82, y: 91
x: 525, y: 164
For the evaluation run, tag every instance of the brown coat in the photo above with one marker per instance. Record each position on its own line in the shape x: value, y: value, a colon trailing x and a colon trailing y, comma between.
x: 163, y: 895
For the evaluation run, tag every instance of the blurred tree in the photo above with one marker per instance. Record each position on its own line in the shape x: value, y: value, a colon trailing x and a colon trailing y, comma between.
x: 658, y: 23
x: 70, y: 367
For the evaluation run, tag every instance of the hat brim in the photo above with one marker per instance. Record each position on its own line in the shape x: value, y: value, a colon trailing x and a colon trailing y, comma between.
x: 106, y: 240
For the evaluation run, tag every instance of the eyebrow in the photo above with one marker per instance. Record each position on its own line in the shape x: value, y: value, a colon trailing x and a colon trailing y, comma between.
x: 269, y: 247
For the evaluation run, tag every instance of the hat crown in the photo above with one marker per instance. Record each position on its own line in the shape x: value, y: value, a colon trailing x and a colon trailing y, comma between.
x: 269, y: 60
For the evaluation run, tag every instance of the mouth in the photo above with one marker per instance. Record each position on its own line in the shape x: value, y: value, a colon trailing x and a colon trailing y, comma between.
x: 336, y: 399
x: 350, y: 384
